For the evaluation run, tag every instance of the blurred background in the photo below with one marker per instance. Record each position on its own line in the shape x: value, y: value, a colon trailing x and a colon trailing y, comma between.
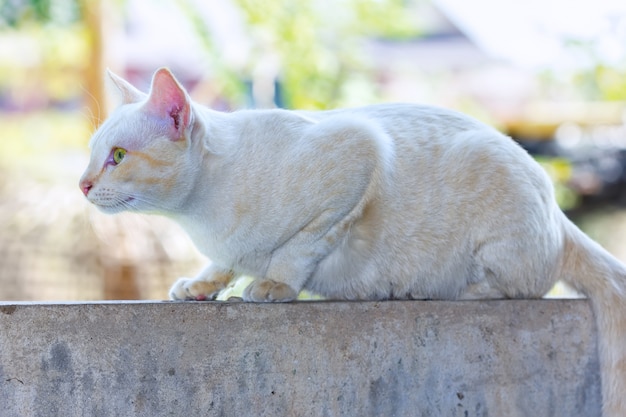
x: 550, y: 73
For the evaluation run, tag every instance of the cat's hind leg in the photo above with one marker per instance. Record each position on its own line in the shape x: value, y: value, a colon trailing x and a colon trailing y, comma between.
x: 517, y: 268
x: 206, y: 286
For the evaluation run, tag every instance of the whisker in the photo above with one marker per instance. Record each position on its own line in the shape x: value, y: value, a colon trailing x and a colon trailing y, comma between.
x: 153, y: 203
x: 94, y: 119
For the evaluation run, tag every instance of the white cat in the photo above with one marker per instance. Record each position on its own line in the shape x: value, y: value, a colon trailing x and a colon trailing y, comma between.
x: 381, y: 202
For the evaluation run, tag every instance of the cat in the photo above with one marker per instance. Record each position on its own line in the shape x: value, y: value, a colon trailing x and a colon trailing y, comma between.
x: 389, y: 201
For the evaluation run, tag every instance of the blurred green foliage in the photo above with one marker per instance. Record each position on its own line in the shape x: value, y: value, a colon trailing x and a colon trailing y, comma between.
x: 42, y: 66
x: 602, y: 82
x: 230, y: 83
x: 318, y: 46
x: 560, y: 171
x: 14, y: 13
x: 595, y: 79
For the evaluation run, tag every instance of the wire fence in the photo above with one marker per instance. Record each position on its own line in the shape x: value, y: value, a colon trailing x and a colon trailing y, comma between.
x: 54, y: 246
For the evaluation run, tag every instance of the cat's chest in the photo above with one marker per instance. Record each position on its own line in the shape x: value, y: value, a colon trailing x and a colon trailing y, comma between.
x: 233, y: 251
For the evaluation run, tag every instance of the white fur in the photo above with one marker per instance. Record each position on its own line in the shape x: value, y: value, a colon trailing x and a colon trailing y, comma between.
x: 382, y: 202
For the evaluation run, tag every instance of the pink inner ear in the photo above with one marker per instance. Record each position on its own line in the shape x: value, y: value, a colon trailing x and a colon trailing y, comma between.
x: 175, y: 114
x: 168, y: 100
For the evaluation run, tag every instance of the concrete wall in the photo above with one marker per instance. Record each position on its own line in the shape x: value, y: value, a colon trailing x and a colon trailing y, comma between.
x: 494, y: 358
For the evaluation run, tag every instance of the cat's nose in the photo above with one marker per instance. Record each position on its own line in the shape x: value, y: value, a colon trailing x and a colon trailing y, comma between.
x: 85, y: 185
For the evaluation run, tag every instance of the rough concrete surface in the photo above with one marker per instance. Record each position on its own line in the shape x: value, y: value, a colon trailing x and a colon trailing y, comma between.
x: 401, y: 358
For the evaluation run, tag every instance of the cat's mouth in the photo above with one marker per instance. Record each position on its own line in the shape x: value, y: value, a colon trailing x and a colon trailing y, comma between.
x: 116, y: 206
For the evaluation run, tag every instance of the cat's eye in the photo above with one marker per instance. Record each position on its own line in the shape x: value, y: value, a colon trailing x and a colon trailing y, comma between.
x: 118, y: 155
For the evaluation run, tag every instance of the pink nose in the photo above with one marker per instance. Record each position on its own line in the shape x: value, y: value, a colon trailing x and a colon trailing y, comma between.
x: 85, y: 185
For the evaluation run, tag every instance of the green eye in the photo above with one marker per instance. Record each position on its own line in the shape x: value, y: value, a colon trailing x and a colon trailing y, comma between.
x: 118, y: 155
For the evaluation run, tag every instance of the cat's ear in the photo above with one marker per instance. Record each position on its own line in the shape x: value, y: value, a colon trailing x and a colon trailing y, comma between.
x: 129, y: 93
x: 169, y: 101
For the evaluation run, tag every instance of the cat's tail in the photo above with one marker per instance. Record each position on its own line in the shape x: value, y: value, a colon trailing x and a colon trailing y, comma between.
x: 602, y: 278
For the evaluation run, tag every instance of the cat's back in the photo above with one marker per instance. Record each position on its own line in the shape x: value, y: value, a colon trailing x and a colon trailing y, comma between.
x: 422, y: 123
x: 430, y: 145
x: 442, y: 144
x: 410, y: 126
x: 436, y: 140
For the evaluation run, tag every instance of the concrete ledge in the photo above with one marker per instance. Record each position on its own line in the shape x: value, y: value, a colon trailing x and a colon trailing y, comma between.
x: 411, y: 358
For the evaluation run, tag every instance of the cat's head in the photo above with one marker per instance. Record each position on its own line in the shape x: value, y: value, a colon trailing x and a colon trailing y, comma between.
x: 140, y: 156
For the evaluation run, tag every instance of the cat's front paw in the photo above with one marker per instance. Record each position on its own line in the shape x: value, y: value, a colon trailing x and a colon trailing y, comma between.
x: 195, y: 289
x: 266, y: 290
